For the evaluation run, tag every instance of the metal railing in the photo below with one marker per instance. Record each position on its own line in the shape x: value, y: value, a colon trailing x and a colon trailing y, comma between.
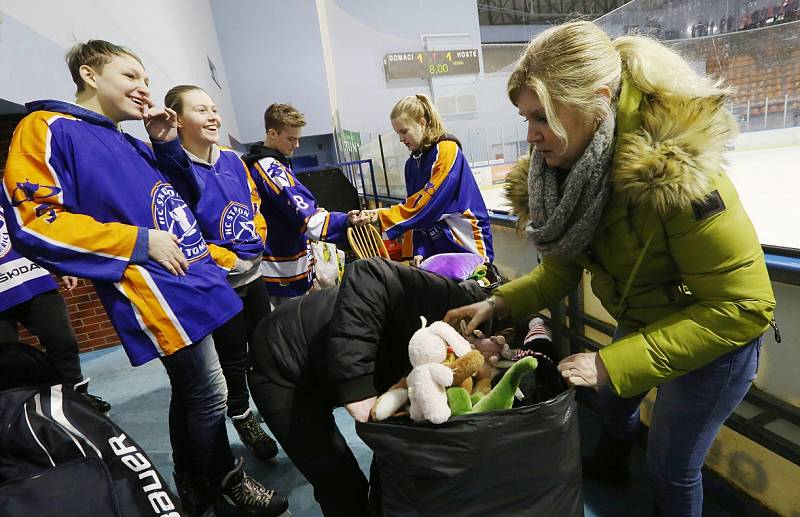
x: 759, y: 113
x: 505, y: 143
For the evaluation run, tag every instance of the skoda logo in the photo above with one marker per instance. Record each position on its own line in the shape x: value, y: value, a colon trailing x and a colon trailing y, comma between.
x: 236, y: 224
x: 171, y: 214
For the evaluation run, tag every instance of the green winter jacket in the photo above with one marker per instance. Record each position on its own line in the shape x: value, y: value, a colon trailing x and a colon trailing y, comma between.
x: 702, y: 287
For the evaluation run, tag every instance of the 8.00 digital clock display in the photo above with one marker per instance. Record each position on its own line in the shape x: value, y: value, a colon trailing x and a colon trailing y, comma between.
x: 407, y: 65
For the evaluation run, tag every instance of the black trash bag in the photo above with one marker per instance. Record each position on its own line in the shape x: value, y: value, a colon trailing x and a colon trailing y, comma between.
x: 542, y: 384
x: 519, y: 462
x: 55, y: 433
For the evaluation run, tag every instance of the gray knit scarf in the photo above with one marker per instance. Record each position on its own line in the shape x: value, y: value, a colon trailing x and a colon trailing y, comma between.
x: 562, y: 223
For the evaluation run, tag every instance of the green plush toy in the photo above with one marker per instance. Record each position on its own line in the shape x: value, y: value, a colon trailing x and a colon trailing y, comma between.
x: 501, y: 396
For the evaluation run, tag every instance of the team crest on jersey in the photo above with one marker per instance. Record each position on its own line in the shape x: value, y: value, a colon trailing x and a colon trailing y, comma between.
x: 27, y: 191
x: 236, y: 224
x: 429, y: 189
x: 278, y: 173
x: 5, y: 240
x: 172, y: 214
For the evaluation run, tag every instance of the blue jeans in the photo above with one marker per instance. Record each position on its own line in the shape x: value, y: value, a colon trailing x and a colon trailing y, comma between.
x: 197, y: 412
x: 687, y: 415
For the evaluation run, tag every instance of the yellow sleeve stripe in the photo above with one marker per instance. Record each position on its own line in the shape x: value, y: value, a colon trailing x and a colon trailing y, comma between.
x: 29, y: 162
x: 305, y: 220
x: 289, y: 175
x: 255, y: 201
x: 224, y: 258
x: 477, y: 233
x: 325, y: 227
x: 30, y: 147
x: 152, y: 311
x: 447, y: 152
x: 267, y: 179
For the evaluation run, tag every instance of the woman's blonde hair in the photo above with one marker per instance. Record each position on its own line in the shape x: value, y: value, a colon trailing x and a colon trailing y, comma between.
x: 416, y: 107
x: 174, y: 98
x: 569, y: 64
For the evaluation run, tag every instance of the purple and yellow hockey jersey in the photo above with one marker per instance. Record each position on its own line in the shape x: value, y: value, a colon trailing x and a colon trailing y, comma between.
x: 79, y: 197
x: 293, y: 218
x: 225, y: 202
x: 444, y: 208
x: 20, y: 278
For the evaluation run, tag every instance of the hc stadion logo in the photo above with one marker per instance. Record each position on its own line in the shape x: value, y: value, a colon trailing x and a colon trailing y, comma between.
x: 5, y: 240
x: 236, y: 224
x: 171, y: 214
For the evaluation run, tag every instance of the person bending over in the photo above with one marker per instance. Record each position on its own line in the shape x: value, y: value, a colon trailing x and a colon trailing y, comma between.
x: 342, y: 347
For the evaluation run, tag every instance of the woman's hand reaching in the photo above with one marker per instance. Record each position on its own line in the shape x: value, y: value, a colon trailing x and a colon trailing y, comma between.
x: 472, y: 315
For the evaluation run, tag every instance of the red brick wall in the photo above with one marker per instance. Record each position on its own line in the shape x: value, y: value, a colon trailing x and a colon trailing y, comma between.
x: 86, y: 313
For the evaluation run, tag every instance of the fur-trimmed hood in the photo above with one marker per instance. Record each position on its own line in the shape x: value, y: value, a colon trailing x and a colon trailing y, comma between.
x: 669, y: 161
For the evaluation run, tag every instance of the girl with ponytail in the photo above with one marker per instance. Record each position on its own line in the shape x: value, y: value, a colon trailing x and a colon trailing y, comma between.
x: 625, y: 180
x: 444, y: 209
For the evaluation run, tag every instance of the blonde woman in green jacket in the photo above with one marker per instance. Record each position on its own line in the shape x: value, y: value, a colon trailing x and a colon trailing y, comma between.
x: 626, y: 181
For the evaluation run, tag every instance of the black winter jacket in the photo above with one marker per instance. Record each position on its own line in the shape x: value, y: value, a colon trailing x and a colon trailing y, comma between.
x: 259, y: 151
x: 351, y: 342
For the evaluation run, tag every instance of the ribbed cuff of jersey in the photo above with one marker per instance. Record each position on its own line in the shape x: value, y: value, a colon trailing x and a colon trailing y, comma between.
x: 355, y: 390
x: 140, y: 253
x: 173, y: 150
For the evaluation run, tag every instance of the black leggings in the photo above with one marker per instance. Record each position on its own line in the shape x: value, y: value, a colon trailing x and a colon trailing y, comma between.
x: 302, y: 421
x: 45, y: 316
x: 231, y: 340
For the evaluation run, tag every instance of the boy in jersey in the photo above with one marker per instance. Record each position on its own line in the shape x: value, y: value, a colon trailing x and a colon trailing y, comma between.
x: 289, y: 207
x: 29, y: 295
x: 83, y: 198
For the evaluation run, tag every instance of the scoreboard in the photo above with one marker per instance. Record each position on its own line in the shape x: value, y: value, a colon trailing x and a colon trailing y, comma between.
x: 424, y: 64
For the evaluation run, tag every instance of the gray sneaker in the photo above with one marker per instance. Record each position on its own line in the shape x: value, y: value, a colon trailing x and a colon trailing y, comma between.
x: 242, y: 495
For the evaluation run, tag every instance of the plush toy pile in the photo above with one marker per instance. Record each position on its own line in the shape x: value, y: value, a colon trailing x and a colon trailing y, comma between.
x: 452, y: 375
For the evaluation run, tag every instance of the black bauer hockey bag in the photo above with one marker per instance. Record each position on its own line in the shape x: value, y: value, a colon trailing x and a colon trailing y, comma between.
x: 60, y: 457
x: 520, y: 462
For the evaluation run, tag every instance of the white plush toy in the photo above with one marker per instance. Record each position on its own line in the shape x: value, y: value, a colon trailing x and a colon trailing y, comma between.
x: 428, y: 379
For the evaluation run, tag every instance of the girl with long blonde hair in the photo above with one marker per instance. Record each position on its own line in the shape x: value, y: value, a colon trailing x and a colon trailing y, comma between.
x: 444, y: 207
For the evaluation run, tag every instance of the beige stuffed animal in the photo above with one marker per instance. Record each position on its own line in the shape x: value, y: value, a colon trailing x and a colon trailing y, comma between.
x: 391, y: 403
x: 427, y: 350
